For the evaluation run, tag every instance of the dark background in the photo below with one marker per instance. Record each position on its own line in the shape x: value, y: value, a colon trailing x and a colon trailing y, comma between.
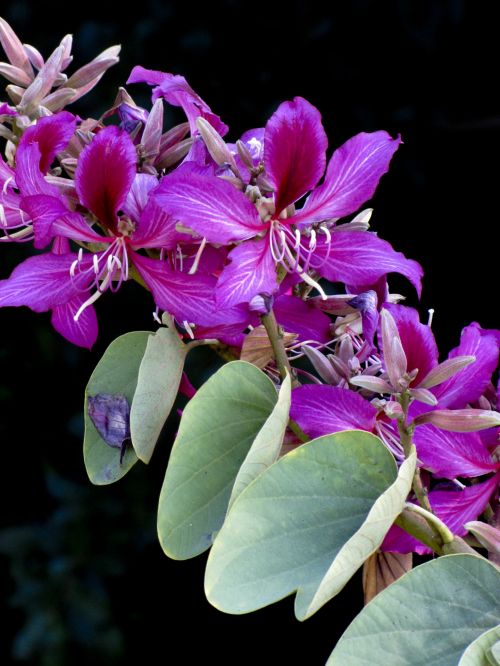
x: 83, y: 579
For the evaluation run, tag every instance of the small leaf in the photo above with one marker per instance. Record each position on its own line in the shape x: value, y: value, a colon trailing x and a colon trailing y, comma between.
x: 115, y: 374
x: 288, y: 525
x: 216, y: 431
x: 381, y: 569
x: 363, y: 543
x: 257, y: 349
x: 429, y: 616
x: 267, y: 445
x: 477, y: 654
x: 158, y: 382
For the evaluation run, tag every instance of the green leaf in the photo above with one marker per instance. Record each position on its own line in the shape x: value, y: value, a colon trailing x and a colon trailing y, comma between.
x: 288, y: 525
x: 429, y: 616
x: 160, y: 374
x: 494, y: 655
x: 267, y: 445
x: 216, y: 431
x: 116, y: 373
x: 363, y: 543
x: 477, y: 652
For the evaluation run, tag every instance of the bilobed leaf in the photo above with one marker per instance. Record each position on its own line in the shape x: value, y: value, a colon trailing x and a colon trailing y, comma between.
x: 429, y: 616
x: 285, y: 529
x: 477, y: 654
x: 267, y: 445
x: 158, y: 382
x: 381, y: 570
x: 115, y: 374
x: 363, y: 543
x: 216, y: 431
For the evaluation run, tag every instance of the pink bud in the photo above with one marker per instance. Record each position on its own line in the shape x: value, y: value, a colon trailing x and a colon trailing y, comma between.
x: 13, y: 48
x: 58, y: 99
x: 43, y: 82
x: 322, y: 365
x: 425, y: 396
x: 394, y: 355
x: 15, y: 93
x: 34, y: 56
x: 215, y: 144
x: 173, y: 136
x: 460, y: 420
x: 174, y: 154
x: 89, y: 72
x: 445, y: 370
x: 14, y: 74
x: 488, y: 536
x: 375, y: 384
x: 151, y: 136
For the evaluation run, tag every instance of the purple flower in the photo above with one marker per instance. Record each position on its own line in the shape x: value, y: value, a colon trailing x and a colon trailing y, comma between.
x: 294, y: 161
x: 108, y: 186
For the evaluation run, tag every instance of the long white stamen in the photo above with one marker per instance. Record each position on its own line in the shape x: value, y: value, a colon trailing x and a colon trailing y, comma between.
x: 3, y: 218
x: 188, y: 328
x: 312, y: 242
x: 297, y: 239
x: 197, y: 258
x: 97, y: 294
x: 431, y: 317
x: 72, y: 268
x: 95, y: 260
x: 6, y: 184
x: 307, y: 278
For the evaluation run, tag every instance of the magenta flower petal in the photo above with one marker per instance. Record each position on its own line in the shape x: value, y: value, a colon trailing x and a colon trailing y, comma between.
x: 209, y: 205
x: 297, y: 316
x: 294, y: 151
x: 453, y: 507
x: 418, y: 340
x: 52, y: 134
x: 41, y: 283
x: 452, y: 454
x: 29, y: 178
x: 138, y: 195
x: 6, y: 110
x: 360, y: 259
x: 176, y: 91
x: 186, y: 297
x: 156, y: 229
x: 471, y: 382
x: 352, y: 177
x: 83, y: 332
x: 321, y: 410
x: 252, y: 271
x: 105, y: 173
x: 50, y: 217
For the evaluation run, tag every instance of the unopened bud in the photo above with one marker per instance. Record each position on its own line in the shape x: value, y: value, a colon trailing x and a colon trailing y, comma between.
x: 322, y: 365
x: 14, y: 74
x: 244, y: 154
x: 15, y: 93
x: 13, y: 48
x: 345, y: 349
x: 487, y: 535
x: 43, y: 82
x: 174, y: 154
x: 460, y: 420
x: 394, y: 355
x: 34, y: 55
x: 89, y: 72
x: 262, y: 303
x: 393, y: 409
x: 173, y: 136
x: 58, y: 99
x: 425, y: 396
x: 153, y: 129
x: 67, y: 44
x: 445, y: 370
x: 374, y: 384
x: 215, y: 144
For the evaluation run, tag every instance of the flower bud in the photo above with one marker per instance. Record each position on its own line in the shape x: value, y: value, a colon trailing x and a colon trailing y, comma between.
x: 13, y: 48
x: 425, y: 396
x: 58, y: 99
x: 394, y: 356
x: 151, y: 137
x: 322, y: 365
x: 215, y: 144
x: 34, y: 55
x: 374, y: 384
x: 460, y: 420
x: 445, y: 370
x: 173, y: 154
x: 487, y: 535
x: 93, y: 69
x: 14, y: 74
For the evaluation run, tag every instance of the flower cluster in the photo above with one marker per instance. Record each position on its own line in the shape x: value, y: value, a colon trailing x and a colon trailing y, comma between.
x: 221, y: 234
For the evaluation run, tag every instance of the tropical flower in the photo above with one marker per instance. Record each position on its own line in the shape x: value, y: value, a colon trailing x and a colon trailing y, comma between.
x: 267, y: 231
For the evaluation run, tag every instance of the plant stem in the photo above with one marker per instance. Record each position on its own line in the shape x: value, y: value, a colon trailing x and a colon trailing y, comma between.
x: 275, y: 335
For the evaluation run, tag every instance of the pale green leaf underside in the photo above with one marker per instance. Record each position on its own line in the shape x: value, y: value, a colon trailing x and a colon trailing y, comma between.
x: 216, y: 431
x: 116, y: 373
x: 288, y: 525
x: 477, y: 654
x: 429, y: 616
x: 267, y: 445
x: 363, y: 543
x: 158, y: 382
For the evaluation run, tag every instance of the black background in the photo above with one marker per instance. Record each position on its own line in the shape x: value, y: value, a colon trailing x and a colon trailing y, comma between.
x: 83, y: 579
